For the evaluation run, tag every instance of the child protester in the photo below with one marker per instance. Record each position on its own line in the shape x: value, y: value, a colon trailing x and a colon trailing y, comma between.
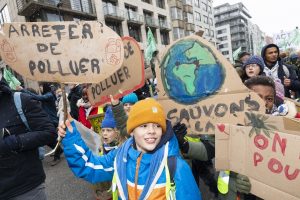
x: 147, y: 166
x: 128, y: 101
x: 111, y: 139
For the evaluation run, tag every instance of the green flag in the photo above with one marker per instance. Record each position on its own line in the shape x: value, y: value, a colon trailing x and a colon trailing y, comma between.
x: 151, y: 46
x: 236, y: 53
x: 12, y: 81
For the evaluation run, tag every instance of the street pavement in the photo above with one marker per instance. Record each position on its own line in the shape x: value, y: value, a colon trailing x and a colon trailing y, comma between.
x: 61, y: 184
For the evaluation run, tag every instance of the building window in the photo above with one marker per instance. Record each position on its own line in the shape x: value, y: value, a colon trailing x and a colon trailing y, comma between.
x: 149, y: 20
x: 52, y: 17
x: 164, y: 36
x: 221, y: 46
x: 205, y: 19
x: 197, y: 3
x: 4, y: 15
x: 178, y: 33
x: 162, y: 21
x: 204, y: 6
x: 147, y: 1
x: 223, y: 38
x: 188, y: 2
x: 81, y: 5
x: 116, y: 26
x: 135, y: 32
x: 160, y: 3
x: 176, y: 13
x: 210, y: 21
x: 206, y: 31
x: 222, y: 31
x: 197, y: 16
x: 189, y: 18
x: 225, y: 52
x: 209, y: 9
x: 212, y: 33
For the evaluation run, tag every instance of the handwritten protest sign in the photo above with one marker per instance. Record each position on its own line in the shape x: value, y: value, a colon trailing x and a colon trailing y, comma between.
x: 125, y: 80
x: 66, y: 52
x: 267, y: 151
x: 199, y: 87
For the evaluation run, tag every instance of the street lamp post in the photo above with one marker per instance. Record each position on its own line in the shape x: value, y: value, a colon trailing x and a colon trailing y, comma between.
x: 58, y: 5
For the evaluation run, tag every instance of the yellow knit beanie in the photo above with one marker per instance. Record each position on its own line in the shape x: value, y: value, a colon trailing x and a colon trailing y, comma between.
x: 146, y: 111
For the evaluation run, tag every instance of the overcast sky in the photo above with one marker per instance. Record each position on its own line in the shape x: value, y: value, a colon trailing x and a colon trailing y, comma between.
x: 271, y: 16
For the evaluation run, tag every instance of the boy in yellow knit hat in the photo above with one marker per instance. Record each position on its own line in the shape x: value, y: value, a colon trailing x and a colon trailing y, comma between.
x: 139, y: 168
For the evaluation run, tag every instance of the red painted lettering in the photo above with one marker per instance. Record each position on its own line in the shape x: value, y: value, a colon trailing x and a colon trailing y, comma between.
x: 261, y: 142
x: 274, y: 162
x: 281, y: 142
x: 257, y: 157
x: 290, y: 176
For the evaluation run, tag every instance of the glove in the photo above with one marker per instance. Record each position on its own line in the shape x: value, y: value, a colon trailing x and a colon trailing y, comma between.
x: 180, y: 132
x: 9, y: 143
x: 243, y: 184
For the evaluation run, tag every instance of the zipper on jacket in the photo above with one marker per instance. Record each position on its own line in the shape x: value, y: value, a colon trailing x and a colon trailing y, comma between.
x: 138, y: 162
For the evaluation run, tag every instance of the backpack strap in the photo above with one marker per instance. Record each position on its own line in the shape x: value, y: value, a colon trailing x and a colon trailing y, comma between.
x: 172, y: 162
x: 18, y: 104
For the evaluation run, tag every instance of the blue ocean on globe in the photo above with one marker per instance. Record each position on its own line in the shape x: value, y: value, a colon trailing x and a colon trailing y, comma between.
x: 190, y: 72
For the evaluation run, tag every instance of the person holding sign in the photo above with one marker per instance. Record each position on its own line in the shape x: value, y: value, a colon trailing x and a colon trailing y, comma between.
x: 139, y: 168
x: 24, y: 127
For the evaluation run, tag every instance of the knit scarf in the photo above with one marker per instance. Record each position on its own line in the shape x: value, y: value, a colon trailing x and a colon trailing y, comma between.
x: 121, y: 168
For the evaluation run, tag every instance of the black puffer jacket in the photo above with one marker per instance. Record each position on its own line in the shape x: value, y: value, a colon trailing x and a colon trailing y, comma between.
x: 20, y: 167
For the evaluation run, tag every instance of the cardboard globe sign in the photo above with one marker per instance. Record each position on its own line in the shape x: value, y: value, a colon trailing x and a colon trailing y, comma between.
x: 65, y: 52
x: 199, y: 87
x: 125, y: 80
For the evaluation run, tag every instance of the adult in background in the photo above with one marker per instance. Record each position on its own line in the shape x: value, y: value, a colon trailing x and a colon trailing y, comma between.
x: 74, y: 95
x: 276, y: 69
x: 21, y: 171
x: 242, y: 57
x: 48, y: 100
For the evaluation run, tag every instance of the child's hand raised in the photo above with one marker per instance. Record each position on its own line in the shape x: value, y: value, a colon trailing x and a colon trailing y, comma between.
x: 113, y: 101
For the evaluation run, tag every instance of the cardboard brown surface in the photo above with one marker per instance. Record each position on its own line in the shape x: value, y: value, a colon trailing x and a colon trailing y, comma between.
x: 269, y: 157
x: 125, y: 80
x: 199, y: 87
x: 66, y: 52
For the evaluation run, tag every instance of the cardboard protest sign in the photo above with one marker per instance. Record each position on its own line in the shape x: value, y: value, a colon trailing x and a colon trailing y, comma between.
x: 66, y: 52
x: 199, y: 87
x: 125, y: 80
x: 267, y: 151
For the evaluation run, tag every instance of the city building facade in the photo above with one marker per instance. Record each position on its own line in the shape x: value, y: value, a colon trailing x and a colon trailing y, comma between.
x: 238, y: 17
x: 224, y: 41
x: 126, y: 17
x: 192, y: 16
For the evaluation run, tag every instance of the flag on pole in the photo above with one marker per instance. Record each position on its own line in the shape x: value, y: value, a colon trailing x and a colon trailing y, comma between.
x: 151, y: 46
x: 12, y: 81
x: 236, y: 53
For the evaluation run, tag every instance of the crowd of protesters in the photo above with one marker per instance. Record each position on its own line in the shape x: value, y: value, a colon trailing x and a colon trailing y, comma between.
x: 142, y: 156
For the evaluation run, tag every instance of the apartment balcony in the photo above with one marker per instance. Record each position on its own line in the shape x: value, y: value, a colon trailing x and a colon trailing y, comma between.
x: 178, y: 23
x: 134, y: 18
x: 78, y: 8
x: 188, y: 8
x: 238, y: 30
x: 189, y: 27
x: 163, y: 25
x: 151, y: 22
x: 114, y: 13
x: 175, y: 3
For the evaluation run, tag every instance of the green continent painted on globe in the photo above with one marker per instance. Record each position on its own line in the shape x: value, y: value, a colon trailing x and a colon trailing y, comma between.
x: 190, y: 72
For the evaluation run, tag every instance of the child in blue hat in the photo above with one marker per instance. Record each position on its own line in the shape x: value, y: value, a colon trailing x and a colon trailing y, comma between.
x: 128, y: 101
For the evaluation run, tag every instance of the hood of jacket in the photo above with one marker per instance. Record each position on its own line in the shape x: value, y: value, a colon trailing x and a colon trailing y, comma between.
x: 264, y: 49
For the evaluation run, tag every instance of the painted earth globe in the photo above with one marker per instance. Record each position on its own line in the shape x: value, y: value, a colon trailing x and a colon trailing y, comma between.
x: 190, y: 72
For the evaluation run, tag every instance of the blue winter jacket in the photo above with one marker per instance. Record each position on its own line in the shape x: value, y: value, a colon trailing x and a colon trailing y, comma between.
x: 94, y: 168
